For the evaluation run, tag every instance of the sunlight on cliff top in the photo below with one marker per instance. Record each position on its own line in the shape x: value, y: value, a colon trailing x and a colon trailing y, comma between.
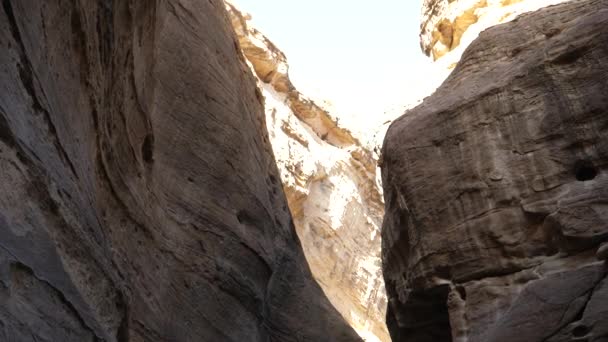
x: 357, y: 58
x: 363, y: 61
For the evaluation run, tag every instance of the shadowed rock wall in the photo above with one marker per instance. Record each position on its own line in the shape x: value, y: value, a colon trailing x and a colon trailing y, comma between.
x: 140, y: 198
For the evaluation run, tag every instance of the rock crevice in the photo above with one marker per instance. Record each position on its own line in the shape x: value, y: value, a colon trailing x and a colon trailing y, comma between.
x: 329, y: 178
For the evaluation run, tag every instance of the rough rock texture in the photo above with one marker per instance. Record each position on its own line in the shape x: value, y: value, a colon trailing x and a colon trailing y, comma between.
x: 331, y: 188
x: 496, y: 189
x: 140, y: 197
x: 449, y: 25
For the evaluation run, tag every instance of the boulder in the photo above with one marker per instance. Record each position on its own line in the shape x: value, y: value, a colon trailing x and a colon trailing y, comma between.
x: 496, y: 188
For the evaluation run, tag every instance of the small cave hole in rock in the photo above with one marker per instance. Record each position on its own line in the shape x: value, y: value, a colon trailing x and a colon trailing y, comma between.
x: 462, y: 292
x: 585, y: 171
x: 272, y: 179
x: 571, y: 56
x: 580, y: 331
x: 147, y: 148
x: 245, y: 217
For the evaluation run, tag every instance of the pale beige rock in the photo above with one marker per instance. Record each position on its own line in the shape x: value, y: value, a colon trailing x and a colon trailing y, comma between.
x: 330, y: 182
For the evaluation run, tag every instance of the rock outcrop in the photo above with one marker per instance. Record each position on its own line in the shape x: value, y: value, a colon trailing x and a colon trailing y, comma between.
x: 140, y: 196
x: 449, y: 26
x: 329, y: 178
x: 496, y: 189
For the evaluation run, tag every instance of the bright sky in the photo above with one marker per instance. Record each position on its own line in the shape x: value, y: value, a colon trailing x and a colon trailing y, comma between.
x: 363, y: 56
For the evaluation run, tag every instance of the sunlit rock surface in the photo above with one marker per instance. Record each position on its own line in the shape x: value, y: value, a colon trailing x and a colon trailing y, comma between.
x: 496, y: 189
x: 140, y: 199
x: 330, y: 182
x: 449, y: 26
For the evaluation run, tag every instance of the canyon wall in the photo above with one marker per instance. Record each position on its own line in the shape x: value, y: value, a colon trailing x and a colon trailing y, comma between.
x: 496, y: 189
x: 140, y: 196
x: 329, y: 178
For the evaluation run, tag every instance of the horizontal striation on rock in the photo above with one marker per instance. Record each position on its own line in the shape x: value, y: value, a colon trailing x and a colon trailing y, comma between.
x: 140, y: 200
x: 496, y: 188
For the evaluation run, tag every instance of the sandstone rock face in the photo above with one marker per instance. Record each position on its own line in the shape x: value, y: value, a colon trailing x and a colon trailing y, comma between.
x: 451, y: 25
x: 140, y: 196
x: 330, y: 182
x: 496, y: 189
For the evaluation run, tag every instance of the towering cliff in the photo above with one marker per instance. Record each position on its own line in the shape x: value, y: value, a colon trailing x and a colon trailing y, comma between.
x: 496, y: 189
x: 140, y: 196
x: 330, y: 182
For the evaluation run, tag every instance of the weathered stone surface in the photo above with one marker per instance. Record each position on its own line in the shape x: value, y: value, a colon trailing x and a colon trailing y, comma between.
x: 593, y: 322
x: 546, y: 305
x: 449, y: 26
x: 140, y: 197
x: 330, y: 182
x: 496, y: 188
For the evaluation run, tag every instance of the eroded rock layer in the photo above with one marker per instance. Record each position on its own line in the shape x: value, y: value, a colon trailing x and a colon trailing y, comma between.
x: 140, y: 196
x: 330, y: 182
x: 496, y: 189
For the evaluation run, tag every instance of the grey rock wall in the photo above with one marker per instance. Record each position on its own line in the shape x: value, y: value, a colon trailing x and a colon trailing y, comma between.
x: 140, y: 198
x: 496, y: 189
